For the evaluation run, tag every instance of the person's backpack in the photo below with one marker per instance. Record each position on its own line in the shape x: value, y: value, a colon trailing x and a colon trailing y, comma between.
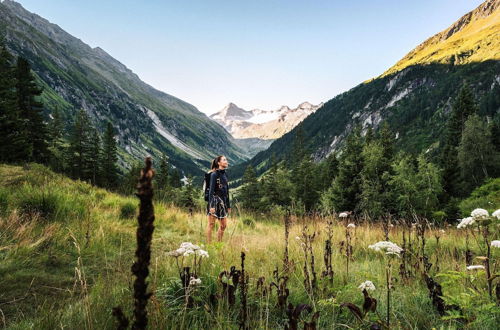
x: 207, y: 184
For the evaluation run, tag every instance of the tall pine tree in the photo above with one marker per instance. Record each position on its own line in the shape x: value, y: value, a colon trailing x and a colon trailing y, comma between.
x: 81, y: 148
x: 463, y: 107
x: 56, y: 141
x: 345, y: 192
x: 250, y: 192
x: 109, y: 158
x: 14, y: 143
x: 31, y: 111
x: 477, y: 156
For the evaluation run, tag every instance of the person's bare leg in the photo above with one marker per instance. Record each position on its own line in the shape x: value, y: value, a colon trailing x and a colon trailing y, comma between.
x: 222, y: 227
x: 210, y: 227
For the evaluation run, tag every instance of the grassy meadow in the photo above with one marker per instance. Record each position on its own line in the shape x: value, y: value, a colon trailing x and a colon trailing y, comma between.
x: 66, y: 249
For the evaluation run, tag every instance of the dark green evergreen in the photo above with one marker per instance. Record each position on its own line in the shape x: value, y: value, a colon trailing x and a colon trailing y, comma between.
x: 175, y: 178
x: 109, y: 158
x: 31, y: 111
x: 57, y: 146
x: 250, y: 191
x: 14, y: 143
x: 477, y: 157
x: 346, y: 188
x: 81, y: 147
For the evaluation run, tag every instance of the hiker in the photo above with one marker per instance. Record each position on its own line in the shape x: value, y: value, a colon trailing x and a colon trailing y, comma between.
x: 218, y: 205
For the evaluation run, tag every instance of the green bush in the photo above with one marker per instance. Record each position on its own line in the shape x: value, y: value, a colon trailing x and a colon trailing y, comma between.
x: 486, y: 196
x: 248, y: 221
x: 43, y: 203
x: 127, y: 210
x: 51, y: 203
x: 4, y: 201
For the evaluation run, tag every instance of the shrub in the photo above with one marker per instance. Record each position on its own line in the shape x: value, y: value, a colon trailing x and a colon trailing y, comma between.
x: 486, y: 196
x: 248, y: 221
x: 43, y: 203
x: 4, y: 201
x: 127, y: 210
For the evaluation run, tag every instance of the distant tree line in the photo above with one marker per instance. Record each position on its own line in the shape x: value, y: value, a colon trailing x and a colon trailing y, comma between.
x: 367, y: 176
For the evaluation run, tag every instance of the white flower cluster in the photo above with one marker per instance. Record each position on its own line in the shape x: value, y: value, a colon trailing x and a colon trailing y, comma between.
x: 186, y: 249
x: 387, y: 247
x: 367, y: 285
x: 474, y: 267
x: 495, y: 244
x: 343, y: 215
x: 466, y: 222
x: 476, y: 216
x: 480, y: 214
x: 351, y: 225
x: 194, y: 281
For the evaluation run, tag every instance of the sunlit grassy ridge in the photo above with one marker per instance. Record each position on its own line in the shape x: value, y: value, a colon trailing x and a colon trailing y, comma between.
x: 66, y: 249
x: 473, y: 38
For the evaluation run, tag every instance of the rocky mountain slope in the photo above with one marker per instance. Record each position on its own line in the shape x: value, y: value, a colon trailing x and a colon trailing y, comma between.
x: 414, y: 96
x: 75, y: 76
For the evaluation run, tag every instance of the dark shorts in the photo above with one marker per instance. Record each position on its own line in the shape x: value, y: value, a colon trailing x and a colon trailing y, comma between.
x: 220, y: 208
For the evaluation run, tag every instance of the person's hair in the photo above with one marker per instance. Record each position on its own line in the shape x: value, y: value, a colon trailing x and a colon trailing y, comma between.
x: 215, y: 163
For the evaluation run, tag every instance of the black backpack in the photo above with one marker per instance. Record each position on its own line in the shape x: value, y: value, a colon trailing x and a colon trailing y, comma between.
x: 207, y: 184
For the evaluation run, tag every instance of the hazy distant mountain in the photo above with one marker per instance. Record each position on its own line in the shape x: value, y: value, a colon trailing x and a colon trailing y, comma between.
x: 75, y: 76
x: 262, y: 124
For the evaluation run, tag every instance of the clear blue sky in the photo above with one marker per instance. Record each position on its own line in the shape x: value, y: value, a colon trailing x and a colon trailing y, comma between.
x: 257, y: 54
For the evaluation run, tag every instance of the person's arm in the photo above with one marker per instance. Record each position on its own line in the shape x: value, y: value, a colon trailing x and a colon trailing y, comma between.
x: 213, y: 176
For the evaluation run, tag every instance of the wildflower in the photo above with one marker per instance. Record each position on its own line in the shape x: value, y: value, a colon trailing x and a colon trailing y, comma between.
x: 442, y: 231
x: 367, y: 285
x: 495, y: 244
x: 474, y: 267
x: 496, y: 214
x: 189, y: 246
x: 188, y: 253
x: 351, y: 225
x: 466, y: 222
x: 391, y: 225
x: 195, y: 281
x: 387, y: 247
x: 479, y: 214
x: 177, y: 253
x: 297, y: 238
x: 343, y: 215
x: 201, y: 253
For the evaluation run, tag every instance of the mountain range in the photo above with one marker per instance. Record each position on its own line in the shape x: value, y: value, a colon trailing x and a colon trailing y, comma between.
x: 255, y: 130
x: 414, y: 96
x: 262, y: 124
x: 76, y: 76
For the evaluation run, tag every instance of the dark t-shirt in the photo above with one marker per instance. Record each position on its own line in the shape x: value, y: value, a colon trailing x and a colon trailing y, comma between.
x: 219, y: 186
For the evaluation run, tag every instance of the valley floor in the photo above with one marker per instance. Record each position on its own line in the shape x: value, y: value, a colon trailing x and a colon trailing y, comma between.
x: 66, y: 249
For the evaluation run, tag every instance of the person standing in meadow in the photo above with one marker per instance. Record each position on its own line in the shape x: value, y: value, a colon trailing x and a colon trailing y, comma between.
x: 217, y: 196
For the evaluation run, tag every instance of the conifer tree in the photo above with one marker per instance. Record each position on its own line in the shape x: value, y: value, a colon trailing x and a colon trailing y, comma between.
x: 56, y: 141
x: 31, y: 111
x: 163, y: 179
x: 175, y: 179
x: 95, y: 157
x: 346, y: 189
x: 80, y: 149
x: 476, y: 154
x: 187, y: 196
x: 14, y: 144
x: 109, y: 158
x: 463, y: 107
x: 250, y: 192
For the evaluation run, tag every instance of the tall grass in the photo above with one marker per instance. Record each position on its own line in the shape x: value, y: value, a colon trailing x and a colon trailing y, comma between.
x: 68, y: 266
